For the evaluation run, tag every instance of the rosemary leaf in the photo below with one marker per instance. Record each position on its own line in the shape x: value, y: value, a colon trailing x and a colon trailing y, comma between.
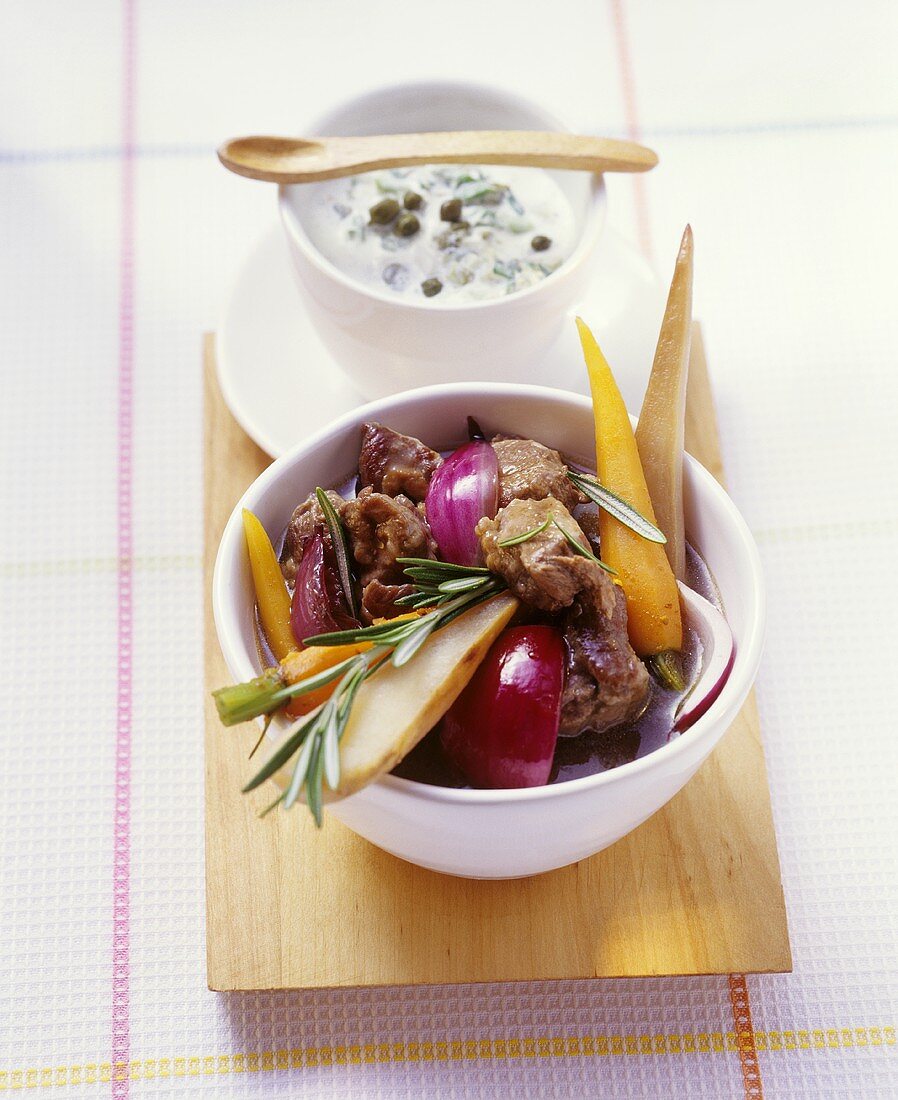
x: 313, y: 783
x: 332, y: 751
x: 526, y: 536
x: 410, y: 645
x: 293, y: 738
x: 413, y: 599
x: 482, y: 597
x: 616, y: 506
x: 300, y: 769
x: 461, y: 584
x: 445, y: 566
x: 341, y: 548
x: 580, y: 549
x: 350, y: 637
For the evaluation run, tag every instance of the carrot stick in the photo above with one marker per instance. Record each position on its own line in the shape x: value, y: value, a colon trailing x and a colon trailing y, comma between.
x: 271, y: 592
x: 653, y: 603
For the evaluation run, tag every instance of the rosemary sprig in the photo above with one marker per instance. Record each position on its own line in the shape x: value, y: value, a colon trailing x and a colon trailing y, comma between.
x: 341, y: 547
x: 314, y: 739
x: 616, y: 506
x: 582, y: 550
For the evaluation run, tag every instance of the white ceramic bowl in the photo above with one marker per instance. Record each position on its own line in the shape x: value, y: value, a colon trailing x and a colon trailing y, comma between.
x: 385, y: 342
x: 508, y: 833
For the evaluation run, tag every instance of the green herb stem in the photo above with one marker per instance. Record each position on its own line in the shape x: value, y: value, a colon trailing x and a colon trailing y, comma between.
x: 667, y: 667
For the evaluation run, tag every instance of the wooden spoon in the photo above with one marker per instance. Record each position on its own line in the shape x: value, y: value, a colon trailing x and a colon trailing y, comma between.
x: 297, y: 160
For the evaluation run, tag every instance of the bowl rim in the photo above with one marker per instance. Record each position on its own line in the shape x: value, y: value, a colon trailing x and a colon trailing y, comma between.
x: 713, y: 722
x: 593, y: 222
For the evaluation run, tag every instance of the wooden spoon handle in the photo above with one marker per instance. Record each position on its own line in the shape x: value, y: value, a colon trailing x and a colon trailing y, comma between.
x: 297, y: 160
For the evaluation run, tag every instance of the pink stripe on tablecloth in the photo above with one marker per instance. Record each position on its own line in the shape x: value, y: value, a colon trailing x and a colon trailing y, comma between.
x: 121, y: 913
x: 631, y: 116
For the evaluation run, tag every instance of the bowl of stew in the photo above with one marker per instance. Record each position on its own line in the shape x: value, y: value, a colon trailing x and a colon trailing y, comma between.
x: 441, y: 273
x: 622, y: 752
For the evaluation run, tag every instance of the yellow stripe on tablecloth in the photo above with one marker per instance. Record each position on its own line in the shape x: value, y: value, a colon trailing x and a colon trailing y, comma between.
x: 147, y: 563
x: 456, y: 1050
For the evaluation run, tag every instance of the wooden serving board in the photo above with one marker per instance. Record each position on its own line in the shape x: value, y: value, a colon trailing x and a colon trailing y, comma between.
x: 695, y: 890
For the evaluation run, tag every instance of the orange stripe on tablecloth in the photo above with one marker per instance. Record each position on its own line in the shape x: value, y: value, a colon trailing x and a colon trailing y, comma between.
x: 739, y: 999
x: 631, y: 116
x: 745, y: 1038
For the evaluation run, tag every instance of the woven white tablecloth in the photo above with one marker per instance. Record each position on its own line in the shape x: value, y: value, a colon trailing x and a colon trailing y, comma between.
x: 778, y: 129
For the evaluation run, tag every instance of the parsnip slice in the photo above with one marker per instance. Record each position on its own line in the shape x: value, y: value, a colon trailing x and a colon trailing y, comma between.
x: 659, y: 434
x: 397, y: 706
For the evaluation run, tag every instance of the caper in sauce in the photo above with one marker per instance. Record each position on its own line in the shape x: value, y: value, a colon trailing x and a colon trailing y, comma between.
x: 450, y: 211
x: 383, y: 212
x: 431, y: 287
x: 407, y: 225
x: 541, y: 243
x: 411, y: 200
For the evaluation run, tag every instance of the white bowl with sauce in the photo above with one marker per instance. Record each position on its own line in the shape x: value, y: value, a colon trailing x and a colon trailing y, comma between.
x: 387, y: 340
x: 503, y: 833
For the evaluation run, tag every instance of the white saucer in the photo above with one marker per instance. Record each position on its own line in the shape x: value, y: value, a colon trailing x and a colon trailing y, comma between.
x: 281, y: 384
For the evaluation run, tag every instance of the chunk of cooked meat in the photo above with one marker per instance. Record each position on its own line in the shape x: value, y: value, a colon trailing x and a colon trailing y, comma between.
x: 589, y: 525
x: 545, y: 571
x: 606, y: 684
x: 392, y: 463
x: 379, y: 600
x: 530, y: 471
x: 306, y: 519
x: 381, y: 529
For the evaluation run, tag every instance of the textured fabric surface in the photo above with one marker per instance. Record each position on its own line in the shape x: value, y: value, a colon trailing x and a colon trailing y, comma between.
x: 777, y: 125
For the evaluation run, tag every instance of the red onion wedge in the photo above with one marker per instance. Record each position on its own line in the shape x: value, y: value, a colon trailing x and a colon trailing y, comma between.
x: 718, y: 655
x: 461, y: 492
x: 501, y: 731
x: 318, y: 606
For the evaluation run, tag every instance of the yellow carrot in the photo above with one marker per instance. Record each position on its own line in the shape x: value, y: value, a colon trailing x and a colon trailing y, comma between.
x: 653, y: 603
x: 271, y: 592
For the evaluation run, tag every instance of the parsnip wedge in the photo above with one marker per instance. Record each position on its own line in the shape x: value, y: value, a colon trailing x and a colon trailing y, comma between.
x: 397, y: 706
x: 659, y: 435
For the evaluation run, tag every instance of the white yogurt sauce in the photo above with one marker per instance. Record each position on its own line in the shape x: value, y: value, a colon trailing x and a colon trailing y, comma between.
x: 496, y: 248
